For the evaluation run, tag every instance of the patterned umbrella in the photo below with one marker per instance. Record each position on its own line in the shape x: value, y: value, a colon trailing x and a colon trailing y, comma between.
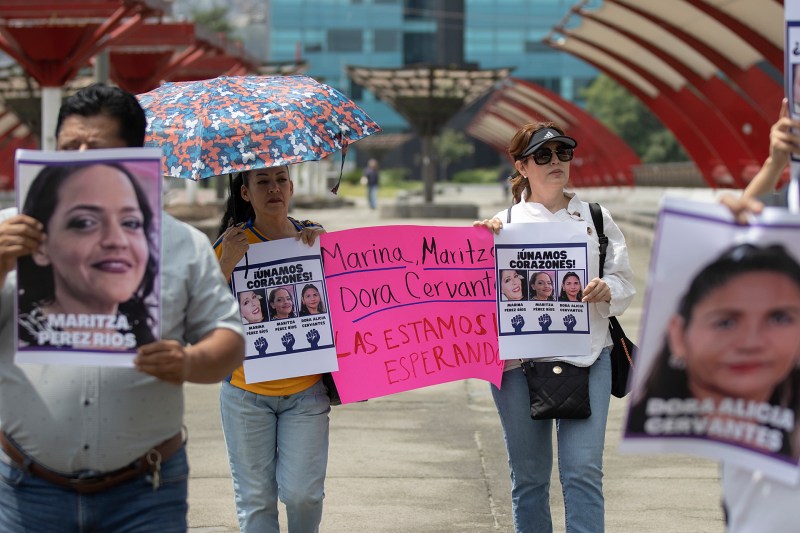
x: 228, y: 124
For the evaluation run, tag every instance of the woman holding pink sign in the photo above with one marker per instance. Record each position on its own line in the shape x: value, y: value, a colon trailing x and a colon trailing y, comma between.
x: 290, y: 415
x: 542, y: 154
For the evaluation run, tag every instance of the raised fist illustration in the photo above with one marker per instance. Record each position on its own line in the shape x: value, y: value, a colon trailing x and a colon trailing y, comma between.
x: 288, y: 341
x: 545, y: 321
x: 313, y: 338
x: 517, y: 322
x: 261, y: 345
x: 570, y: 322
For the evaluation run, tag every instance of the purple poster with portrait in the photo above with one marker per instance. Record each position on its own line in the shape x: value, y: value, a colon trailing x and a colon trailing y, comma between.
x: 718, y: 372
x: 90, y: 293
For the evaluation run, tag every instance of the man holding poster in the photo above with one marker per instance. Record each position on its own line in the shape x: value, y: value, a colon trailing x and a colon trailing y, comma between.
x: 542, y: 153
x: 101, y: 448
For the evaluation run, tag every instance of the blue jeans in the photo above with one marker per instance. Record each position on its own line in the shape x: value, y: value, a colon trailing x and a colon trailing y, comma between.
x: 29, y: 503
x: 277, y: 447
x: 580, y: 454
x: 372, y: 196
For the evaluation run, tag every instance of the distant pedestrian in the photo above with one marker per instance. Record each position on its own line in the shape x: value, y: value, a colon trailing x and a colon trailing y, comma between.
x: 370, y: 179
x: 504, y: 179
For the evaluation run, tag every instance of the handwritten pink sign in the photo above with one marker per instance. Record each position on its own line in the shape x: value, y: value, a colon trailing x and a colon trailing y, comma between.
x: 411, y: 306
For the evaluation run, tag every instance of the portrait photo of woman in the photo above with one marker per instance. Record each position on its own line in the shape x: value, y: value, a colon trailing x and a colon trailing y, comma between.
x: 542, y: 286
x: 252, y: 306
x: 796, y: 88
x: 98, y: 257
x: 513, y: 285
x: 571, y: 288
x: 311, y: 302
x: 281, y: 304
x: 726, y: 341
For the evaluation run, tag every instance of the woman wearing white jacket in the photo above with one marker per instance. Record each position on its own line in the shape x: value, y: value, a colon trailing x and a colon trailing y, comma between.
x: 542, y: 155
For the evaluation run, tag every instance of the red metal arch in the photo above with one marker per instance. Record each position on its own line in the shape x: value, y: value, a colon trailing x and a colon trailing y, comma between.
x: 702, y: 152
x: 762, y: 91
x: 771, y: 53
x: 726, y: 102
x: 736, y: 153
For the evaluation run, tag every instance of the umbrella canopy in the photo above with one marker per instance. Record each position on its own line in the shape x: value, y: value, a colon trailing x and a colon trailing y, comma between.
x: 235, y: 123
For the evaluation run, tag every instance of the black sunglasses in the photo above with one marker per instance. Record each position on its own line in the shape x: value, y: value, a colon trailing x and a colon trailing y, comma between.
x: 542, y: 156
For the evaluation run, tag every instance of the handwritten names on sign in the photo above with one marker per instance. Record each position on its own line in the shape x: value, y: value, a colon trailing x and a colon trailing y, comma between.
x: 412, y: 306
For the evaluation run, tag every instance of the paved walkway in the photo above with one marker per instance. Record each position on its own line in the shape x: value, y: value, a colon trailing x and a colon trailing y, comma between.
x: 433, y: 460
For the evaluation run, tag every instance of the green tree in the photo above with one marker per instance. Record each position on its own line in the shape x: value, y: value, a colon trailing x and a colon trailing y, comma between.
x: 450, y: 146
x: 215, y: 20
x: 625, y: 115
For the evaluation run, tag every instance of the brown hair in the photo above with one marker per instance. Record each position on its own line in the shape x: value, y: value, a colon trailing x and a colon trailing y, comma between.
x: 517, y: 146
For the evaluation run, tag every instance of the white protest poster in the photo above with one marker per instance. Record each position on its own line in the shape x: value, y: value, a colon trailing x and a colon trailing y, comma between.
x: 284, y: 307
x: 792, y: 89
x: 541, y: 269
x: 90, y: 294
x: 717, y: 373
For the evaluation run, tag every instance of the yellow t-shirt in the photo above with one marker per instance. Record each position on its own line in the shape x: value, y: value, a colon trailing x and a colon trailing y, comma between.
x: 278, y: 387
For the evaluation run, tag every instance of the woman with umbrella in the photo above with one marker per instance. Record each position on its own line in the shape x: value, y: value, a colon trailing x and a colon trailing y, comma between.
x: 265, y: 123
x: 289, y: 414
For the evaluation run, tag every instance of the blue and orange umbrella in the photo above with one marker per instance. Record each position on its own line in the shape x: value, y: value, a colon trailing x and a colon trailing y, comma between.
x: 231, y: 124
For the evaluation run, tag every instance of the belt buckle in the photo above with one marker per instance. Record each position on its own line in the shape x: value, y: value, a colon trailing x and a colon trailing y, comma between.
x: 87, y: 478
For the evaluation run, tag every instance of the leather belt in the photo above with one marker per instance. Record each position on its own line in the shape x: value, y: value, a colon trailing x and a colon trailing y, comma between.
x: 150, y: 462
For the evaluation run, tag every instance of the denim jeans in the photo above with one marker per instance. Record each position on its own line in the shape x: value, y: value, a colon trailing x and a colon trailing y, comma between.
x: 372, y: 196
x: 29, y: 503
x: 277, y: 447
x: 580, y: 454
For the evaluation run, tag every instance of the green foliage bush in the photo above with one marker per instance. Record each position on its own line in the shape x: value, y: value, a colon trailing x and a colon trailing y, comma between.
x: 394, y: 177
x: 352, y: 176
x: 477, y: 175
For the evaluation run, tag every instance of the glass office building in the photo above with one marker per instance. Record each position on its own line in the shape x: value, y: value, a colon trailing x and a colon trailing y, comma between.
x: 329, y: 34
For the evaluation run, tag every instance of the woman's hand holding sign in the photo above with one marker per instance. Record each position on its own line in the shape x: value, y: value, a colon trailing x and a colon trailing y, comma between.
x: 783, y: 142
x: 234, y: 246
x: 596, y: 291
x: 494, y: 224
x: 309, y: 234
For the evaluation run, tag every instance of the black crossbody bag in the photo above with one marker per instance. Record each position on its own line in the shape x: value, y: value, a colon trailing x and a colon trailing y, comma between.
x: 623, y: 352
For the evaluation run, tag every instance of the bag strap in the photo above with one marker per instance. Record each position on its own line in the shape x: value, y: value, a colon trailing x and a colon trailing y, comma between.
x: 597, y: 218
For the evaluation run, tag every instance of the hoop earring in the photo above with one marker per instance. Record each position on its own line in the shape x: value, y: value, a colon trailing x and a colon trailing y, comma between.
x: 676, y: 363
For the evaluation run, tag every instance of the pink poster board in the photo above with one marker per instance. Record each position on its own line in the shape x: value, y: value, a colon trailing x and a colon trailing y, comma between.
x: 411, y: 306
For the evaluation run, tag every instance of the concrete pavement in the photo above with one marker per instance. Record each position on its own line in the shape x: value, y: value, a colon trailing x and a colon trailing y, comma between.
x: 433, y: 460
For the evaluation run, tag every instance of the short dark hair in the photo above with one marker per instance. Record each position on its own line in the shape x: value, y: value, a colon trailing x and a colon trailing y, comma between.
x: 102, y: 99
